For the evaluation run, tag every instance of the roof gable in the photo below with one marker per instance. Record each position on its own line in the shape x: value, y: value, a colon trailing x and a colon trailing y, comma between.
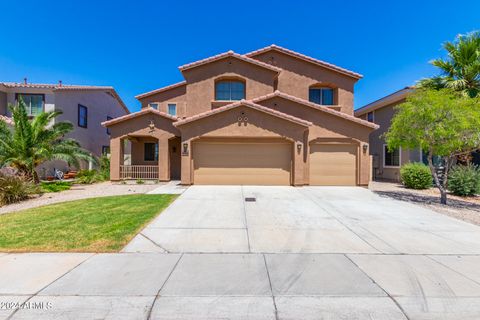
x: 227, y: 55
x: 392, y: 98
x: 160, y: 90
x: 138, y: 114
x: 316, y: 107
x: 245, y: 103
x: 303, y: 57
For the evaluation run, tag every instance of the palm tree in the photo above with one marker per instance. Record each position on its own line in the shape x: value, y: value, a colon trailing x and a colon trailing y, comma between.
x: 29, y: 143
x: 461, y: 69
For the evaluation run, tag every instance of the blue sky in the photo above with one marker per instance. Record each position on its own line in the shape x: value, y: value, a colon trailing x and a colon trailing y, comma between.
x: 136, y: 46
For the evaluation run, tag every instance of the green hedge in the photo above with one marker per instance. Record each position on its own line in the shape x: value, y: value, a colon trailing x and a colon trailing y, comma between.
x: 464, y: 180
x: 416, y: 175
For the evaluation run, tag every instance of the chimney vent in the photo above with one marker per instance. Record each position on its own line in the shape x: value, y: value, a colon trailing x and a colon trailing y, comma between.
x: 24, y: 80
x: 59, y: 83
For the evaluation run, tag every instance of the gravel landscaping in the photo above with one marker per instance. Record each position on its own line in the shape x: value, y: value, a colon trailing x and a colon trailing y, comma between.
x: 81, y: 191
x: 463, y: 208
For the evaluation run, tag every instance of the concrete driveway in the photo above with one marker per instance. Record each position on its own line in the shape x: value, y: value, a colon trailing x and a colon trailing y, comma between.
x: 294, y: 253
x: 217, y: 219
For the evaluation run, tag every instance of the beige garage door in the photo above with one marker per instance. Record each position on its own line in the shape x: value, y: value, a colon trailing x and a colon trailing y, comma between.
x: 242, y: 163
x: 333, y: 164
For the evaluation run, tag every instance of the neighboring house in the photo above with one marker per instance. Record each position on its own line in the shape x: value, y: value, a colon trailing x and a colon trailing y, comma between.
x: 386, y: 164
x: 269, y: 117
x: 86, y: 107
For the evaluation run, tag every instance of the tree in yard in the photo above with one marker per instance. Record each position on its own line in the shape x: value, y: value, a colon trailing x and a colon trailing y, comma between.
x: 30, y: 142
x: 461, y: 69
x: 440, y: 122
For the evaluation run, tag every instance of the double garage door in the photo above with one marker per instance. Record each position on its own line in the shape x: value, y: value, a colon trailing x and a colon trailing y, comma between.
x: 263, y: 163
x: 270, y: 163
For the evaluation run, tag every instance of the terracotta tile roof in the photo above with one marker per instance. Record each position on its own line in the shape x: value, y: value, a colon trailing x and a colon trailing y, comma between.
x: 305, y: 58
x: 64, y: 87
x: 247, y: 104
x: 137, y: 114
x: 385, y: 101
x: 172, y: 86
x: 6, y: 119
x: 225, y: 55
x: 317, y: 107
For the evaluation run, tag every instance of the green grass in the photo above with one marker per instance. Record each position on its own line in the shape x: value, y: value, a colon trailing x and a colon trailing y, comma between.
x: 55, y: 186
x: 92, y: 225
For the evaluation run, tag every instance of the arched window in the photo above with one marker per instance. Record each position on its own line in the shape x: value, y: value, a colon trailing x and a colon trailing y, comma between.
x: 321, y: 95
x: 229, y: 90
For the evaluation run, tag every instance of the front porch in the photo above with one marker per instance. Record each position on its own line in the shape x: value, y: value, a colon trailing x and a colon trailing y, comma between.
x: 152, y: 142
x: 150, y: 159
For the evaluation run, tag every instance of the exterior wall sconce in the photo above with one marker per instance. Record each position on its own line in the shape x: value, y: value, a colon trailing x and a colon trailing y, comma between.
x: 185, y: 149
x: 299, y: 147
x: 365, y: 148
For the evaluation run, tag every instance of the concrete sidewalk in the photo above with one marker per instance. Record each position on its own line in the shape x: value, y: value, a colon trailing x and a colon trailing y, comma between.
x: 239, y: 286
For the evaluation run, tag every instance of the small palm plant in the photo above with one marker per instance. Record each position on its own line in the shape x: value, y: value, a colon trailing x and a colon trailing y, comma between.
x: 461, y: 69
x: 30, y: 142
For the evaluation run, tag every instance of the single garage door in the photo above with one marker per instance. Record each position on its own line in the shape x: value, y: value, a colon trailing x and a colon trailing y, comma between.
x: 242, y: 163
x: 333, y: 164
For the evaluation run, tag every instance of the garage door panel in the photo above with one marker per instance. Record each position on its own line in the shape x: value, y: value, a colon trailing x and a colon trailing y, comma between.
x: 333, y: 164
x: 242, y: 163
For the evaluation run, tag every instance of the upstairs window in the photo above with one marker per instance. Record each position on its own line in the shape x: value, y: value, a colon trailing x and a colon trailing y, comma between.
x: 108, y: 129
x: 153, y: 105
x: 370, y: 116
x: 172, y: 109
x: 391, y: 158
x: 82, y: 116
x: 229, y: 90
x: 323, y: 96
x: 33, y: 102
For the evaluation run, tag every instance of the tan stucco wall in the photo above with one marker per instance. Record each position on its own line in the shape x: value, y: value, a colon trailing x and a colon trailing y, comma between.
x: 297, y: 76
x: 383, y: 117
x: 174, y: 95
x: 328, y: 128
x: 138, y: 130
x: 259, y: 126
x: 201, y: 82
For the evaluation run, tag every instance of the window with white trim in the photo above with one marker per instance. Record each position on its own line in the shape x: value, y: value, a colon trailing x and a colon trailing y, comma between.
x: 391, y: 158
x: 371, y: 116
x: 153, y: 105
x: 172, y: 109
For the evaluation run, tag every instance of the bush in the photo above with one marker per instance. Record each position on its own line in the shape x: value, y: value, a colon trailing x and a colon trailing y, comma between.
x: 464, y: 180
x: 88, y: 177
x: 55, y: 186
x: 416, y: 176
x: 104, y: 167
x: 140, y: 181
x: 15, y: 188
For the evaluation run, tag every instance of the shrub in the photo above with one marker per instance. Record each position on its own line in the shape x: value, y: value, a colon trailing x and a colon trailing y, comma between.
x: 464, y: 180
x: 416, y: 176
x: 55, y: 186
x: 15, y: 188
x: 140, y: 181
x: 105, y: 167
x: 88, y: 177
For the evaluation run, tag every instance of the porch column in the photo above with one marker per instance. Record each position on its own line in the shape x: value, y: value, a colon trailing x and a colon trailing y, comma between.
x: 116, y: 158
x: 163, y: 159
x: 298, y: 163
x: 186, y: 156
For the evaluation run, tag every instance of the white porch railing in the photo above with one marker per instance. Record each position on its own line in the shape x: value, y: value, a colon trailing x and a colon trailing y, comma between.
x: 138, y: 172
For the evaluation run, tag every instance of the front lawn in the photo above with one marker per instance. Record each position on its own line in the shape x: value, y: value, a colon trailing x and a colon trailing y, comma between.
x: 92, y: 225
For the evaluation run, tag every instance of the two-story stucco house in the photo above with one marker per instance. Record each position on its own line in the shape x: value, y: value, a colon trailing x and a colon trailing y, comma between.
x: 86, y: 107
x: 268, y: 117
